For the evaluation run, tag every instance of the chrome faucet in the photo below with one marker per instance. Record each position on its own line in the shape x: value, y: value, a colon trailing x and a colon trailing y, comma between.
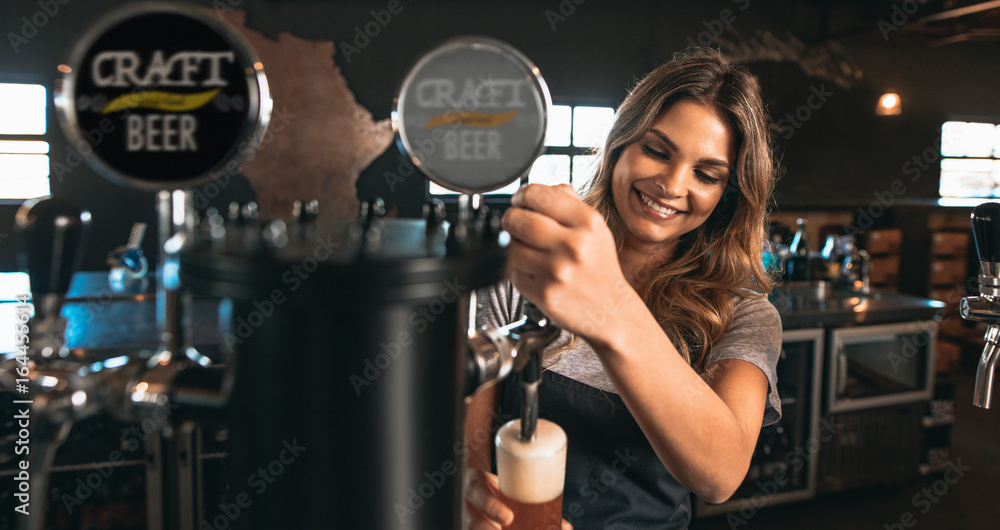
x: 856, y: 271
x: 986, y: 306
x: 516, y: 347
x: 519, y: 346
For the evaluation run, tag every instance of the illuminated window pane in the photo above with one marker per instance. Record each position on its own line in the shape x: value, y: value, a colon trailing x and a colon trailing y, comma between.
x: 591, y: 125
x: 970, y: 178
x: 22, y: 109
x: 550, y: 170
x: 583, y: 171
x: 440, y: 190
x: 557, y: 131
x: 25, y: 147
x: 968, y: 139
x: 506, y: 190
x: 24, y: 176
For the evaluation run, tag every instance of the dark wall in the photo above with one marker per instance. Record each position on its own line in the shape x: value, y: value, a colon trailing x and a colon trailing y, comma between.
x: 842, y: 153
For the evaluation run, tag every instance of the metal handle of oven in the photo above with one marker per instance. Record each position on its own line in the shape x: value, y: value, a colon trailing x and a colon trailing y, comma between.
x: 841, y: 371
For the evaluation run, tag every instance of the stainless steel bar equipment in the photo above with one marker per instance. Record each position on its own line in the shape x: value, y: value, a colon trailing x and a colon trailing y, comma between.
x: 118, y: 115
x: 986, y: 306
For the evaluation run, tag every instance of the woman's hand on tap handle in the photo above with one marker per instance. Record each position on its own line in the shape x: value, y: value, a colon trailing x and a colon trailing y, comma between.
x: 483, y: 508
x: 563, y: 257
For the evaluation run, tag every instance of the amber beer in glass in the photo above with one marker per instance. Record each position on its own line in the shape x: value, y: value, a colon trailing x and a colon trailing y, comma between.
x: 531, y: 474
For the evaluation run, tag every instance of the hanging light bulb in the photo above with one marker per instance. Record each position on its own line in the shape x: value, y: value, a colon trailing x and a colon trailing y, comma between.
x: 889, y: 105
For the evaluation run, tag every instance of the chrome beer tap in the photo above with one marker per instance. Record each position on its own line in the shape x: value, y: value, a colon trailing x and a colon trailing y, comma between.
x: 519, y: 346
x: 50, y: 237
x: 52, y: 234
x: 986, y: 306
x: 129, y: 387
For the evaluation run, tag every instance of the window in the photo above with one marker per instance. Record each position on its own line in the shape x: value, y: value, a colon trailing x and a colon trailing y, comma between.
x: 24, y: 159
x: 970, y: 159
x: 572, y: 134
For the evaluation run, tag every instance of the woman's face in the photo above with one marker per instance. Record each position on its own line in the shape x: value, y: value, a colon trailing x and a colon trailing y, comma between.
x: 669, y: 181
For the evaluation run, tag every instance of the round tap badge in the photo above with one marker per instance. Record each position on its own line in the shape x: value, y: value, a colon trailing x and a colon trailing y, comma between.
x: 165, y: 96
x: 471, y: 114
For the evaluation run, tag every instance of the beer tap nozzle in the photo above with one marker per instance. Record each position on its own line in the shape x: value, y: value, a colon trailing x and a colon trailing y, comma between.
x: 532, y: 337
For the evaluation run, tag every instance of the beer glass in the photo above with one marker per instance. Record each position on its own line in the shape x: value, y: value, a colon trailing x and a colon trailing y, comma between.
x: 531, y: 474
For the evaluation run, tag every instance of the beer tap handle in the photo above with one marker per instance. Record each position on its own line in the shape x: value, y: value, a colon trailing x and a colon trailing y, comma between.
x: 986, y: 234
x: 986, y: 231
x: 986, y: 306
x: 50, y: 234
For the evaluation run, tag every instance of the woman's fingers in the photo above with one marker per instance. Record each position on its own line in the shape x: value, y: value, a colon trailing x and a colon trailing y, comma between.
x: 480, y: 492
x: 561, y: 203
x: 534, y: 228
x: 475, y: 520
x: 530, y: 259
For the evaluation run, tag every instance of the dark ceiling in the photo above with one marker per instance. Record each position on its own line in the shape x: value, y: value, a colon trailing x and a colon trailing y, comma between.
x: 934, y: 22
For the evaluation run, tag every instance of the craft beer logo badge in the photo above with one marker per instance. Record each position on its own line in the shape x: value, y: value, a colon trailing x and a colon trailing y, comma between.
x: 472, y: 114
x: 163, y: 97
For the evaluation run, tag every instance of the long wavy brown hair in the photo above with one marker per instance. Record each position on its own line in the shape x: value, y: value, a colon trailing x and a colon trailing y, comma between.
x: 693, y: 294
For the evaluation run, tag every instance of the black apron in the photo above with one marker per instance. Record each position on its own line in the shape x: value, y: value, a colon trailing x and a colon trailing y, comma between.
x: 614, y: 480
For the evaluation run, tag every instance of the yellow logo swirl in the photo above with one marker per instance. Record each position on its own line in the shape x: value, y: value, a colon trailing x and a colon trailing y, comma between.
x: 160, y: 100
x: 472, y: 119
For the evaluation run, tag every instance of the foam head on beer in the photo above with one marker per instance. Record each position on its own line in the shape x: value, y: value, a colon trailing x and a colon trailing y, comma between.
x: 531, y: 471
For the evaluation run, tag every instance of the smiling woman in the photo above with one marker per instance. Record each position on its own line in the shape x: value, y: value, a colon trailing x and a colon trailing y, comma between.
x: 669, y: 346
x: 665, y: 187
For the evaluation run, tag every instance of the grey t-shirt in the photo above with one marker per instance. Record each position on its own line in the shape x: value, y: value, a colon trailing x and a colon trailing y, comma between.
x: 753, y: 336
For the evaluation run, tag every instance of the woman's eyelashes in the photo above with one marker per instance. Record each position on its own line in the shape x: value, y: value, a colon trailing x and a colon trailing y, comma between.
x: 706, y: 178
x: 654, y: 153
x: 660, y: 155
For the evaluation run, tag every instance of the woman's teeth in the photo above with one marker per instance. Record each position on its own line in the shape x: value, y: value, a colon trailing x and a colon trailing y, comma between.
x: 655, y: 207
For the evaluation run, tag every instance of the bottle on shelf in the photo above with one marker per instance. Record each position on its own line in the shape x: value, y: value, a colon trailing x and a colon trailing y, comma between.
x: 798, y: 261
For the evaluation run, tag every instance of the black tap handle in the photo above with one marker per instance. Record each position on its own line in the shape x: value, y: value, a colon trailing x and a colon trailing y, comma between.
x: 50, y: 235
x: 986, y: 231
